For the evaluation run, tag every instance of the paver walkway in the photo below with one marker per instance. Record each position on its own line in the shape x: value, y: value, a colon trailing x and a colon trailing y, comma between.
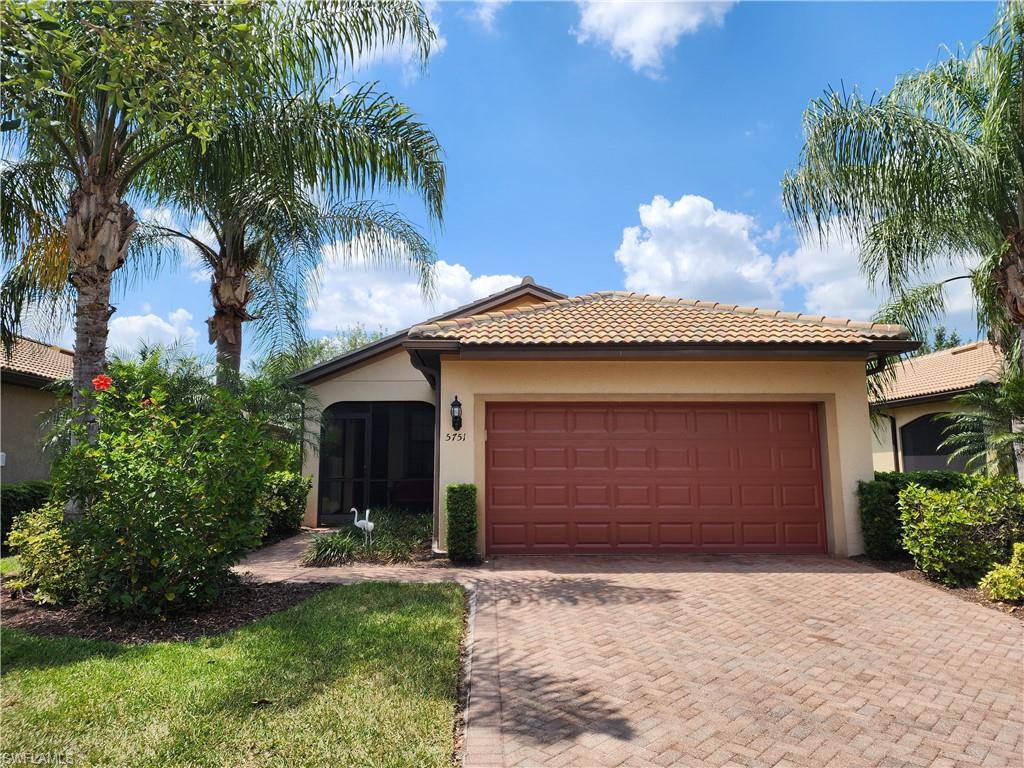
x: 722, y: 661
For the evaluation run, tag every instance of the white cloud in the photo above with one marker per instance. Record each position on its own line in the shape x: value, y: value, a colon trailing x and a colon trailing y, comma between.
x: 485, y: 11
x: 692, y: 249
x: 128, y: 331
x: 352, y: 292
x: 643, y: 32
x: 406, y: 54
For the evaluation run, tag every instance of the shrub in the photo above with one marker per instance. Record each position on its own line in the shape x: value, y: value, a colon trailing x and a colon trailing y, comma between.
x: 398, y: 536
x: 49, y: 562
x: 168, y: 492
x: 17, y: 498
x: 1006, y: 582
x: 957, y: 536
x: 879, y: 508
x: 282, y: 503
x: 460, y: 504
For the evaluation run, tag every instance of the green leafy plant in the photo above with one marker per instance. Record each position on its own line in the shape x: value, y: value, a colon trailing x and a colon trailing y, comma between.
x: 1006, y: 582
x: 17, y: 498
x: 50, y: 563
x: 282, y: 502
x: 957, y: 536
x: 398, y: 536
x: 460, y: 504
x: 878, y: 503
x: 168, y: 489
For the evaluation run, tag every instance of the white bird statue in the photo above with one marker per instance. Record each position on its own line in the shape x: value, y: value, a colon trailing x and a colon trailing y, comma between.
x: 364, y: 525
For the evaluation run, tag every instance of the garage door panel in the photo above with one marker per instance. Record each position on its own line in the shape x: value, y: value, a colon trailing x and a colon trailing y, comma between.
x: 687, y: 477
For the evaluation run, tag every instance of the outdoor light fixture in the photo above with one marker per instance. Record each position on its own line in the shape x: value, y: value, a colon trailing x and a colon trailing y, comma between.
x: 456, y: 414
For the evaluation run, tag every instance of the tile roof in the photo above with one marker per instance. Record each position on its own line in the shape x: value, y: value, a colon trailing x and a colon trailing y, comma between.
x: 619, y: 317
x: 948, y: 370
x: 42, y: 361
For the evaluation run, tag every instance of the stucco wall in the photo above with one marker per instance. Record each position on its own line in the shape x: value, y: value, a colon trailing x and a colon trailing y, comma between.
x: 882, y: 433
x: 21, y: 413
x: 389, y: 377
x: 838, y: 386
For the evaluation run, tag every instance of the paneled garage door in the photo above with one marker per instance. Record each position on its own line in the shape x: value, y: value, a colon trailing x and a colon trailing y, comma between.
x: 676, y: 477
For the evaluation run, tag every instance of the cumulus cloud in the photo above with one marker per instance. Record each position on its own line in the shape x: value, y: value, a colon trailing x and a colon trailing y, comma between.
x: 485, y: 11
x: 128, y: 331
x: 354, y: 291
x: 406, y: 55
x: 642, y: 32
x: 691, y: 248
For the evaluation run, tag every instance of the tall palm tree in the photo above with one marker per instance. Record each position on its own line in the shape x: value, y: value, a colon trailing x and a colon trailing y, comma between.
x: 928, y: 178
x: 285, y: 179
x: 96, y: 92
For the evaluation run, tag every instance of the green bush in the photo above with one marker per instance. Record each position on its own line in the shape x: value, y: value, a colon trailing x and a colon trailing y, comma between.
x: 168, y: 491
x: 879, y: 508
x: 282, y: 503
x: 49, y: 562
x: 17, y: 498
x: 1006, y: 582
x: 398, y: 536
x: 957, y: 536
x: 460, y: 504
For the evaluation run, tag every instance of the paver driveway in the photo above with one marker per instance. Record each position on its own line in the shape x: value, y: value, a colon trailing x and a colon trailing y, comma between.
x: 743, y: 661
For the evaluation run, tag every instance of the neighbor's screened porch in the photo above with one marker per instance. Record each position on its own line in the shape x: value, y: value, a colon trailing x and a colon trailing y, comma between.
x: 375, y: 454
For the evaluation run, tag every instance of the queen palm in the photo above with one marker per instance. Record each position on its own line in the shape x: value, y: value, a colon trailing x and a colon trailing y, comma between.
x: 94, y: 93
x: 929, y: 179
x: 283, y: 181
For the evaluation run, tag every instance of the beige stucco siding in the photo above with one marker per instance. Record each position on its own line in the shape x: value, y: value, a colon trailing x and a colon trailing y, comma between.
x: 882, y: 432
x: 389, y: 377
x: 838, y: 387
x: 21, y: 415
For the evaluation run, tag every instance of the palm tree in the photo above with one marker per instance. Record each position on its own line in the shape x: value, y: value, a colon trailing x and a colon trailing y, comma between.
x: 96, y: 92
x: 280, y: 183
x: 927, y: 178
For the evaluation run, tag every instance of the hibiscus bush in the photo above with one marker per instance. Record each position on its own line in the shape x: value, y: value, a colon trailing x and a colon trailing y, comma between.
x: 164, y: 493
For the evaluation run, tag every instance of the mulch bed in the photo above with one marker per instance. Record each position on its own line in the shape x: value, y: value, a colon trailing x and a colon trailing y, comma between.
x: 906, y: 569
x: 241, y: 603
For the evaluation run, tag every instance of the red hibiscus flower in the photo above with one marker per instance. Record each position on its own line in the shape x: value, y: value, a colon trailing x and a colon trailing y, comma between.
x: 102, y: 382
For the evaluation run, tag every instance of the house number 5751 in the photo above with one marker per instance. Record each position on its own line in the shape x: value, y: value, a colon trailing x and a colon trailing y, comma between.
x: 455, y: 437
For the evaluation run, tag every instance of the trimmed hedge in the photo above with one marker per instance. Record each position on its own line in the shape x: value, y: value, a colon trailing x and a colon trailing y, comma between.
x: 283, y: 502
x: 17, y: 498
x: 460, y: 504
x: 1006, y: 582
x: 879, y: 507
x: 958, y: 536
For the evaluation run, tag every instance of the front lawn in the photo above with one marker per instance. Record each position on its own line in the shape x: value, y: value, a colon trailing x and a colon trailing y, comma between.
x: 362, y: 675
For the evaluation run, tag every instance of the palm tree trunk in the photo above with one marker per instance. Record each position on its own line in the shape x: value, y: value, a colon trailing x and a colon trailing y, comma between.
x: 99, y: 229
x: 231, y: 293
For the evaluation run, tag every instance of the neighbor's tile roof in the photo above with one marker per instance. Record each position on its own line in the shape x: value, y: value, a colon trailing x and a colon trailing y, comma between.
x: 617, y: 317
x: 948, y: 370
x: 35, y: 358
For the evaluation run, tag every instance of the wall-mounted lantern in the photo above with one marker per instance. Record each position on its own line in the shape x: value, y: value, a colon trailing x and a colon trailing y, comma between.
x: 456, y: 414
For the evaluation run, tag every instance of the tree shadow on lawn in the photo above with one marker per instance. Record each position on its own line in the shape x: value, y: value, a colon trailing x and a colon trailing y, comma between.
x: 381, y: 642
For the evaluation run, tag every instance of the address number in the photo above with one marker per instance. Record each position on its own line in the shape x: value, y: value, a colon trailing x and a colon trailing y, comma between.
x: 455, y: 437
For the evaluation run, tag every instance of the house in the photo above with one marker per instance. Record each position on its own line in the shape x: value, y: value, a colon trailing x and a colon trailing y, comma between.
x: 608, y: 422
x: 24, y: 399
x: 909, y: 434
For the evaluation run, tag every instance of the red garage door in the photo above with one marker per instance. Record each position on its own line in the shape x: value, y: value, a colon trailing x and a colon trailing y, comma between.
x: 677, y: 477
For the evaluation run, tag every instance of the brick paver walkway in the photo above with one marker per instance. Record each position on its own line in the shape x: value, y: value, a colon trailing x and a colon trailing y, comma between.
x: 723, y: 661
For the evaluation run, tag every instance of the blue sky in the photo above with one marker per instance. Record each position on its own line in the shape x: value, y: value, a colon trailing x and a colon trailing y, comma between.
x: 615, y: 145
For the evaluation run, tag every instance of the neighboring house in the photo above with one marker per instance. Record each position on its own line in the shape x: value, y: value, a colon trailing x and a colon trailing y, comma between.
x: 909, y: 434
x: 23, y: 400
x: 609, y: 422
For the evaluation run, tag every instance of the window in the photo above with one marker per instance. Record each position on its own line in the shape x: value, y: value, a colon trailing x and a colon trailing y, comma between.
x: 921, y: 441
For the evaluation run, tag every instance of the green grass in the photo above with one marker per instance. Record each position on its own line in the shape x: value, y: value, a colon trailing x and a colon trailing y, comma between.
x: 9, y: 565
x: 361, y: 675
x: 398, y: 536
